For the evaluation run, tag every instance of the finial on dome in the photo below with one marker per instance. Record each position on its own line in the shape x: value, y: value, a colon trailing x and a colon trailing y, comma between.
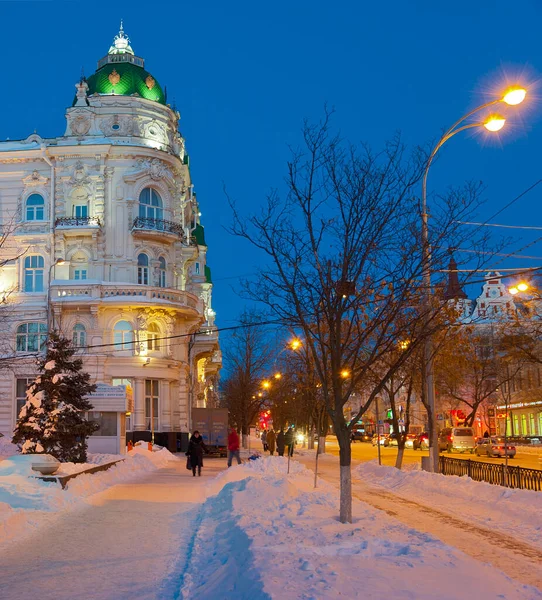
x: 121, y: 42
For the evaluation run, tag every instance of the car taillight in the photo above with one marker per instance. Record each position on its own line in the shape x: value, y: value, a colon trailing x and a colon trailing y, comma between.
x: 451, y: 438
x: 494, y: 447
x: 510, y: 447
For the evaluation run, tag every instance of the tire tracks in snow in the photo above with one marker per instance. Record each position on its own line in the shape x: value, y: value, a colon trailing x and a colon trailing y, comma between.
x: 512, y: 556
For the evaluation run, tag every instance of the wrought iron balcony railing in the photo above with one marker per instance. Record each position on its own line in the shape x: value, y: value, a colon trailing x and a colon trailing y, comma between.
x: 160, y: 225
x: 78, y: 222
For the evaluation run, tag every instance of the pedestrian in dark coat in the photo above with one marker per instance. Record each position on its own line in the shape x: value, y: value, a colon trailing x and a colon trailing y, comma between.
x: 281, y: 443
x: 195, y: 451
x: 271, y: 441
x: 289, y: 438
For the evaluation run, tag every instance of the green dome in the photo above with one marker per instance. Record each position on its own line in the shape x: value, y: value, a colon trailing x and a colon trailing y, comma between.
x: 125, y: 79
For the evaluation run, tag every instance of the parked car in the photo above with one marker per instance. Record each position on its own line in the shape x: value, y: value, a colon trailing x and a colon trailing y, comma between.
x: 383, y: 439
x: 409, y: 442
x: 360, y: 436
x: 457, y: 439
x: 421, y: 441
x: 494, y: 447
x: 393, y: 439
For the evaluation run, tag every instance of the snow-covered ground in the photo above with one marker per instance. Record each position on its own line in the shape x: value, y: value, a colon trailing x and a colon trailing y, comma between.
x: 27, y: 502
x: 513, y: 512
x: 252, y: 531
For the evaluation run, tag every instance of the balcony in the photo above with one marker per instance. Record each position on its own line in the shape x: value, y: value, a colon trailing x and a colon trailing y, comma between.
x: 73, y: 293
x: 157, y: 229
x: 78, y: 225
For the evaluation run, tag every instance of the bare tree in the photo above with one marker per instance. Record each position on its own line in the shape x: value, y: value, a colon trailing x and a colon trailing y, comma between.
x: 344, y: 264
x: 248, y: 356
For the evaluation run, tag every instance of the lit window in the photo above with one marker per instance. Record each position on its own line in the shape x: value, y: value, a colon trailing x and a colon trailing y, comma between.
x: 79, y: 337
x: 123, y: 336
x: 35, y: 208
x: 162, y: 275
x: 153, y: 335
x: 151, y: 403
x: 33, y: 273
x: 31, y: 337
x: 143, y: 269
x: 150, y: 204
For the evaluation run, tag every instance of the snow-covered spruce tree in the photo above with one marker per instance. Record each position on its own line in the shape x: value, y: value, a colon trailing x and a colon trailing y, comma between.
x: 52, y: 419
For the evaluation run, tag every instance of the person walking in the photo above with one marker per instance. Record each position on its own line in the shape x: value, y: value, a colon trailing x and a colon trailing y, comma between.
x: 264, y: 440
x: 289, y: 439
x: 233, y: 447
x: 195, y: 451
x: 281, y: 442
x: 271, y: 441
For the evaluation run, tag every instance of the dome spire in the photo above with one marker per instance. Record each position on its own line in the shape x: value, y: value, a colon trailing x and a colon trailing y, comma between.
x: 121, y: 42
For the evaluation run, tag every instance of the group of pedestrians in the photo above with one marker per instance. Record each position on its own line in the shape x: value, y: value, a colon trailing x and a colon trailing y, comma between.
x: 281, y: 440
x: 270, y: 439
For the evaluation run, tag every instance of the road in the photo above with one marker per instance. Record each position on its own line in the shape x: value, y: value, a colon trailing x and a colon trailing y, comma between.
x: 363, y: 451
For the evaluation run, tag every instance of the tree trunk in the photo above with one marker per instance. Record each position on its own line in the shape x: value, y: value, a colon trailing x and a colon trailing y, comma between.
x: 345, y: 459
x: 321, y: 444
x: 399, y: 459
x: 311, y: 439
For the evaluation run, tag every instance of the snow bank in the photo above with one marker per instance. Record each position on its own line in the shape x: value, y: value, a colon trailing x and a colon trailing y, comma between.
x: 516, y: 512
x: 269, y: 535
x: 27, y: 502
x: 7, y: 448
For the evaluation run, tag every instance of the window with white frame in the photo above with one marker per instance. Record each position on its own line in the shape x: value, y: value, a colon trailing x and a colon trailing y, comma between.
x: 79, y: 335
x: 33, y: 273
x: 129, y: 391
x: 80, y: 274
x: 153, y: 335
x: 143, y: 269
x: 35, y: 208
x: 150, y: 204
x: 80, y: 211
x: 123, y: 336
x: 31, y: 337
x: 162, y: 272
x: 152, y: 387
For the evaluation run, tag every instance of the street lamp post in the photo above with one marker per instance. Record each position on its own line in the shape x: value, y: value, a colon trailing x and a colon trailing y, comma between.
x: 492, y: 123
x: 50, y: 318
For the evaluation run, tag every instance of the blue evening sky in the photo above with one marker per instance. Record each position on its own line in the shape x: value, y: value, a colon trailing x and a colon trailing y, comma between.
x: 244, y: 75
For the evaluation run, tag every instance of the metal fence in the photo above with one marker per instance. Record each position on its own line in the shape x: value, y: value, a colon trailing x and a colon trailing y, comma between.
x: 497, y: 474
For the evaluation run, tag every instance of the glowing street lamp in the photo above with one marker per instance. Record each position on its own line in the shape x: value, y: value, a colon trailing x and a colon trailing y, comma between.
x: 345, y: 373
x: 295, y: 344
x: 266, y: 385
x: 493, y: 123
x: 277, y: 375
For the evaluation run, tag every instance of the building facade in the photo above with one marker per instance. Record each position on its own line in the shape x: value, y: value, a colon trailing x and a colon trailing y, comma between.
x: 105, y: 244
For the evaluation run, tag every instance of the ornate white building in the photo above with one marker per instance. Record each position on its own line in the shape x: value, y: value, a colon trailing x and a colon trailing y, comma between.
x: 106, y: 232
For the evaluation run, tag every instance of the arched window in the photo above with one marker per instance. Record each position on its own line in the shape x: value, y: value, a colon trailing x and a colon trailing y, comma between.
x: 150, y: 204
x: 33, y: 273
x: 153, y: 333
x: 79, y: 338
x: 31, y: 337
x: 123, y: 336
x: 143, y: 269
x: 35, y: 208
x: 162, y: 272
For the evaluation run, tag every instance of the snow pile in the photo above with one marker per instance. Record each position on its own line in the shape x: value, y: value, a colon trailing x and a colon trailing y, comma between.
x: 7, y: 448
x: 27, y: 502
x: 515, y: 512
x: 534, y: 449
x: 270, y: 535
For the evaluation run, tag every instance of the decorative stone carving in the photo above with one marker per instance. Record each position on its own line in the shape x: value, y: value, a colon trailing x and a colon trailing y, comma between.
x: 80, y: 125
x: 150, y: 82
x: 114, y: 77
x: 35, y: 179
x: 115, y: 125
x: 155, y: 168
x: 80, y: 175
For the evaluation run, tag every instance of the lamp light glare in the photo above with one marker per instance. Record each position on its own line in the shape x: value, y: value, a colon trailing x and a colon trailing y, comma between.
x: 513, y: 291
x: 515, y: 96
x: 522, y: 287
x: 494, y: 123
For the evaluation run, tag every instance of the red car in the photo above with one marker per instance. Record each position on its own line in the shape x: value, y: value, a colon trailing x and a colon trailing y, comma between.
x: 421, y: 442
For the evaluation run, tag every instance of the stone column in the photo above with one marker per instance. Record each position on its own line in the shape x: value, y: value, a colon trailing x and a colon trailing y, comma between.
x: 165, y: 405
x: 139, y: 406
